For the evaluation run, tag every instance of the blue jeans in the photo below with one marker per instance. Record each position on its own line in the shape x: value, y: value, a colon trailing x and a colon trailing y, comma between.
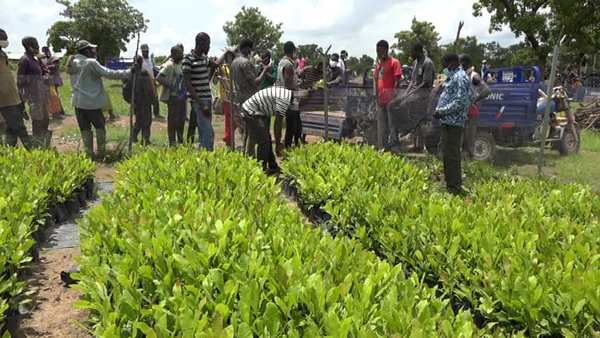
x: 203, y: 110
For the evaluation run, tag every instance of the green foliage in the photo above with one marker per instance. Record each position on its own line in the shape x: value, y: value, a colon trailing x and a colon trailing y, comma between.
x: 517, y: 54
x: 31, y: 182
x: 110, y: 24
x: 543, y: 22
x: 198, y: 244
x: 360, y: 65
x: 470, y: 46
x: 524, y: 252
x: 420, y: 31
x: 311, y: 52
x: 250, y: 23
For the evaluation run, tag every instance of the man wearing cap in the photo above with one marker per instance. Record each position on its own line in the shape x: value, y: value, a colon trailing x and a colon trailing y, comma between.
x: 89, y: 96
x: 11, y: 108
x: 150, y: 67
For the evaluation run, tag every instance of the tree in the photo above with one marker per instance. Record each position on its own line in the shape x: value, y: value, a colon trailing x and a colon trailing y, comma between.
x: 110, y: 24
x: 360, y: 65
x: 420, y: 31
x: 250, y: 24
x: 470, y: 46
x: 543, y: 22
x: 312, y: 53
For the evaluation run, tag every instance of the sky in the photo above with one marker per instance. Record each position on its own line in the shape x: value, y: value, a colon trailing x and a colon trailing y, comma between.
x: 353, y: 25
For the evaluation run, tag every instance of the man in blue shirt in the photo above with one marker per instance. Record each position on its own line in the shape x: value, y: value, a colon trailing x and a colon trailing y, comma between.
x: 452, y: 113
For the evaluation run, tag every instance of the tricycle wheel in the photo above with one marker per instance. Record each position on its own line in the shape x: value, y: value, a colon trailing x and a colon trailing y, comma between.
x: 484, y: 147
x: 570, y: 141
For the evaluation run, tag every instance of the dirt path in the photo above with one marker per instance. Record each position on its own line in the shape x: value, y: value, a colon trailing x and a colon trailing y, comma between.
x: 53, y: 313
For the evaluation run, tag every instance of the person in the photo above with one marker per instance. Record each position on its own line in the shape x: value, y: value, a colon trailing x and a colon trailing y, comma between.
x: 300, y: 63
x: 413, y: 103
x: 343, y: 59
x: 197, y: 69
x: 256, y: 113
x: 151, y: 69
x: 244, y: 76
x: 142, y: 101
x: 387, y: 77
x: 174, y: 95
x: 30, y: 80
x: 224, y: 92
x: 287, y: 77
x: 479, y: 90
x: 270, y: 73
x: 11, y: 107
x: 335, y: 76
x: 89, y: 96
x: 54, y: 81
x: 485, y: 69
x: 452, y: 113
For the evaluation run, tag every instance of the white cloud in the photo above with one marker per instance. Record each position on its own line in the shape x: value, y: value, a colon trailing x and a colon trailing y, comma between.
x: 354, y: 25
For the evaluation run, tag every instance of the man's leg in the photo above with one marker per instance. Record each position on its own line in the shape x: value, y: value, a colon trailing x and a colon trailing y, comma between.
x: 99, y: 122
x: 228, y: 123
x: 180, y: 106
x: 252, y: 125
x: 382, y: 127
x: 298, y: 129
x: 15, y: 127
x: 392, y: 136
x: 452, y: 140
x: 205, y: 128
x: 156, y: 107
x: 171, y: 121
x: 85, y: 127
x: 469, y: 139
x: 290, y: 128
x: 192, y: 125
x: 263, y: 140
x: 146, y: 123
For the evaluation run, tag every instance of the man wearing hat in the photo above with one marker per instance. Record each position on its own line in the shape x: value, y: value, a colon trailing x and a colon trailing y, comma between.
x: 89, y: 96
x: 150, y: 67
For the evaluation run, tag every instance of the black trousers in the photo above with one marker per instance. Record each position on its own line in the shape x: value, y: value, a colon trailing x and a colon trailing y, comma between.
x: 176, y: 120
x: 257, y: 129
x: 87, y: 118
x: 451, y: 141
x: 15, y: 127
x: 156, y: 106
x: 193, y: 125
x: 293, y: 128
x: 143, y: 123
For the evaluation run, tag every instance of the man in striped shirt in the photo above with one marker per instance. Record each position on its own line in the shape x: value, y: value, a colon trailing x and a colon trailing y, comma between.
x: 197, y: 69
x: 256, y: 113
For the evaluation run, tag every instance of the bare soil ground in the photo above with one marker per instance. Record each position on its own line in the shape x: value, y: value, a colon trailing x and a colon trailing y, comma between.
x: 54, y: 313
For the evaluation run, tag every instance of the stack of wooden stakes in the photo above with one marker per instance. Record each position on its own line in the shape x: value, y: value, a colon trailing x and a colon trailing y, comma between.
x: 588, y: 115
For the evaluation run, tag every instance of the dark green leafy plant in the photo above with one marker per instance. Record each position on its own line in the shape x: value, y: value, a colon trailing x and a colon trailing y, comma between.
x: 203, y: 245
x: 31, y: 182
x: 525, y: 253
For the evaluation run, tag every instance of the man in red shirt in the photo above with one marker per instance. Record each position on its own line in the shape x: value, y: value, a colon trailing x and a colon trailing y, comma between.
x: 387, y: 78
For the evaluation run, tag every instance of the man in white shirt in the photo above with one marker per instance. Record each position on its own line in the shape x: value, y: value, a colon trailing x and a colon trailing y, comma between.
x: 256, y: 113
x: 149, y: 66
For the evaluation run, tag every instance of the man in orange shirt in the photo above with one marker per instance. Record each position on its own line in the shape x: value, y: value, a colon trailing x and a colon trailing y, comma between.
x: 387, y: 78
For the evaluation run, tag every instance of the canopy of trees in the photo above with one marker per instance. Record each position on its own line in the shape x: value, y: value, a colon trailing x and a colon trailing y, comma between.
x: 110, y: 24
x: 250, y: 23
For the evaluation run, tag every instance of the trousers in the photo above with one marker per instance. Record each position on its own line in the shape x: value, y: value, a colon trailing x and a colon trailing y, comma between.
x: 451, y: 140
x: 176, y: 120
x: 293, y: 128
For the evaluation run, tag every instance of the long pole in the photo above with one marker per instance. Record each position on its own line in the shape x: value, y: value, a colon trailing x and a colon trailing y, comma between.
x: 326, y: 92
x: 132, y: 106
x: 546, y: 116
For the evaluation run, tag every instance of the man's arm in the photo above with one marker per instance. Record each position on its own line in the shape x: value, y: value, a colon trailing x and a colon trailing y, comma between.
x: 22, y: 78
x: 397, y: 74
x: 104, y: 72
x: 163, y: 76
x: 277, y: 128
